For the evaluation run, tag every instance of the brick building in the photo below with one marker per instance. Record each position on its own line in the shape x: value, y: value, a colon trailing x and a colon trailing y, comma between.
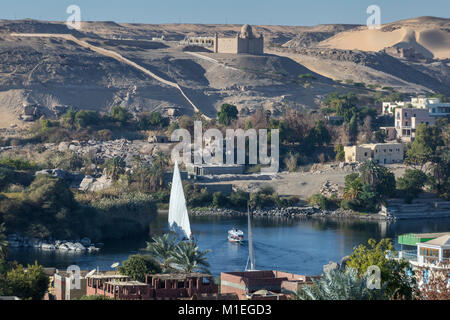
x: 156, y: 286
x: 262, y: 285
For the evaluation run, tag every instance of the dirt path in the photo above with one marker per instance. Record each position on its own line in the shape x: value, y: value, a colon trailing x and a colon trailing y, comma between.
x: 114, y: 55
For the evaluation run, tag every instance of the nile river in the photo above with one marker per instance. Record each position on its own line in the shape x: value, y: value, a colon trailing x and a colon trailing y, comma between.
x: 295, y: 245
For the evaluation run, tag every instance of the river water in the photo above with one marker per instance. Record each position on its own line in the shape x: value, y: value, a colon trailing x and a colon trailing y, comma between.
x: 295, y: 245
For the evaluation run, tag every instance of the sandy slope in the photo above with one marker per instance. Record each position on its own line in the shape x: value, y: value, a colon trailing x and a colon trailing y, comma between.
x: 434, y: 38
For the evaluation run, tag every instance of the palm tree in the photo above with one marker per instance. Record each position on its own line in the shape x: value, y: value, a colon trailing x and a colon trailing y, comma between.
x: 188, y: 258
x: 3, y: 242
x: 114, y: 167
x: 339, y: 285
x: 163, y: 247
x: 353, y: 189
x: 370, y: 173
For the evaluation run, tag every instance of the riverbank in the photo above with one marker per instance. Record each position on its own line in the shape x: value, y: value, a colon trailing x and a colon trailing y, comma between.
x: 289, y: 212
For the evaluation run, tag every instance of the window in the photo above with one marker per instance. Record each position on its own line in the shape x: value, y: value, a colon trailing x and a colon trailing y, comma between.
x: 428, y: 252
x: 406, y: 123
x: 446, y: 254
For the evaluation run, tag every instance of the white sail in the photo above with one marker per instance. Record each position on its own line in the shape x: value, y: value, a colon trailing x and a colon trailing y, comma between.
x: 178, y: 214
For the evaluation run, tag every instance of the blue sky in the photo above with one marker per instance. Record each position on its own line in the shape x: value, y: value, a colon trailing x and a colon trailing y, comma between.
x: 275, y: 12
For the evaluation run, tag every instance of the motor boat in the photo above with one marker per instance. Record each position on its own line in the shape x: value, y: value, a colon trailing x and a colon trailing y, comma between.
x: 235, y: 235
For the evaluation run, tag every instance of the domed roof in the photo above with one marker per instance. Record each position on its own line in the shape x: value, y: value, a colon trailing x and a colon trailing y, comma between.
x: 246, y: 31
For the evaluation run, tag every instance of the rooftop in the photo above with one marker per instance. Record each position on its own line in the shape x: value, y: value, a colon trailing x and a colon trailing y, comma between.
x: 178, y: 276
x: 107, y: 276
x: 127, y: 283
x: 441, y: 241
x: 412, y: 239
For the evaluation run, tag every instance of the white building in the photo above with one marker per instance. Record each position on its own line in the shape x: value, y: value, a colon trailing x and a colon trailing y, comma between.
x: 434, y: 251
x: 389, y: 107
x: 434, y: 105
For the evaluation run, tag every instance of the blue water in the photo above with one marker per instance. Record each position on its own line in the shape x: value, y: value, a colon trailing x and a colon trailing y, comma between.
x: 295, y: 245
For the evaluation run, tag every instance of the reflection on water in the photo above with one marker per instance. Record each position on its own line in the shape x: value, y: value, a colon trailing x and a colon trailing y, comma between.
x: 295, y: 245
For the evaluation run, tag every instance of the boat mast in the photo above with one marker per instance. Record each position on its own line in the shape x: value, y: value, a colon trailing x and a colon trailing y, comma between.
x: 251, y: 256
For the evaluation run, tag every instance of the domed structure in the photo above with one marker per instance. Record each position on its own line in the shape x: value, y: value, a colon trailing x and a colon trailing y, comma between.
x: 244, y: 42
x: 246, y: 32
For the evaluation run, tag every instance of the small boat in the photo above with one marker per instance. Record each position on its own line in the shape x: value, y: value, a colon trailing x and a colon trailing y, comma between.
x: 235, y: 235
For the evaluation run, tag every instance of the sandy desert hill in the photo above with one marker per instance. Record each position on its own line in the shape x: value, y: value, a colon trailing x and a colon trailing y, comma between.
x: 107, y: 64
x: 428, y: 35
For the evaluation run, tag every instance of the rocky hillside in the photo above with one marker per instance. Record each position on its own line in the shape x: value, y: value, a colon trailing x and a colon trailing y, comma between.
x: 141, y: 73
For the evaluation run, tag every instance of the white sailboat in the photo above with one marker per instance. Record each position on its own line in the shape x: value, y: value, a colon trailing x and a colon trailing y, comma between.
x: 178, y: 214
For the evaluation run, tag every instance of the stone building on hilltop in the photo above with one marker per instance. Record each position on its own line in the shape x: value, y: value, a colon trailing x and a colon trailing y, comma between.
x: 244, y: 42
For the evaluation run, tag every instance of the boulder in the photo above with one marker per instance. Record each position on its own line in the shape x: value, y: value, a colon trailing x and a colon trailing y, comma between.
x: 63, y: 146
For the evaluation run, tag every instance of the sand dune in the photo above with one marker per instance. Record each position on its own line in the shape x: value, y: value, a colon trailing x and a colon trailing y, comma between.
x: 430, y: 39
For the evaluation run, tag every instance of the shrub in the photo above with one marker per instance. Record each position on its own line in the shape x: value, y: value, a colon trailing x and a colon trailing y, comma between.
x: 411, y: 184
x: 319, y: 200
x: 29, y: 284
x: 104, y: 134
x: 227, y: 113
x: 138, y: 265
x: 239, y: 199
x: 219, y: 200
x: 17, y: 164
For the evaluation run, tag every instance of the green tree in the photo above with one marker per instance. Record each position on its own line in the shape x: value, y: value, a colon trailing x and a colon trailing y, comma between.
x: 138, y: 265
x: 120, y: 114
x: 187, y: 257
x: 162, y: 247
x: 394, y: 273
x: 411, y: 184
x: 85, y: 118
x: 340, y: 153
x: 115, y: 167
x: 30, y: 283
x: 426, y: 142
x: 339, y: 285
x: 69, y: 119
x: 219, y: 200
x: 380, y: 136
x: 353, y: 186
x: 227, y: 113
x: 319, y: 135
x: 3, y: 242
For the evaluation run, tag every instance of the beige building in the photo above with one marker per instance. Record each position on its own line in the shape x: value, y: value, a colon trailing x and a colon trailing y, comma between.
x: 244, y: 42
x: 382, y: 153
